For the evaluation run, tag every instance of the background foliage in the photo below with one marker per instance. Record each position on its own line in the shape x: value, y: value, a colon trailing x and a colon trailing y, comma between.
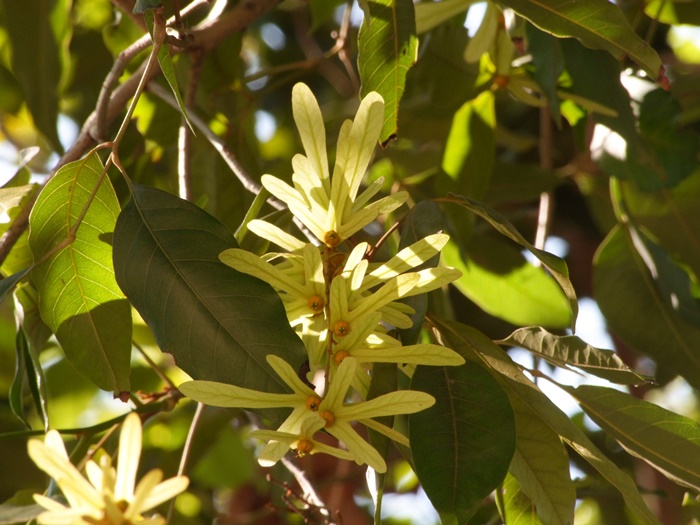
x: 553, y: 119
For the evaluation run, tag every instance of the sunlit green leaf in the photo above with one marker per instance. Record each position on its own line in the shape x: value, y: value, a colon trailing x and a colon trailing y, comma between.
x: 626, y: 294
x: 514, y: 505
x: 668, y: 441
x: 470, y: 342
x: 471, y: 145
x: 462, y: 445
x: 503, y: 283
x: 569, y: 350
x: 219, y: 324
x: 556, y: 266
x: 599, y: 24
x: 79, y: 297
x: 387, y: 49
x: 431, y: 14
x: 674, y: 11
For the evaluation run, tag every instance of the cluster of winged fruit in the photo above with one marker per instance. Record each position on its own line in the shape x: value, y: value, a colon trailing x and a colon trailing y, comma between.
x: 342, y: 305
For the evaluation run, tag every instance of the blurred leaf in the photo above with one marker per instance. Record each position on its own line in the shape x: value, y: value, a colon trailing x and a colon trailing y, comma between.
x: 516, y: 507
x: 166, y: 257
x: 463, y: 444
x: 556, y: 266
x: 569, y: 350
x: 470, y: 148
x: 671, y: 217
x: 80, y: 299
x: 519, y: 182
x: 387, y: 49
x: 673, y: 12
x: 23, y: 368
x: 470, y: 342
x: 431, y: 14
x: 11, y: 197
x: 166, y: 64
x: 11, y: 96
x: 424, y: 219
x: 35, y: 61
x: 626, y: 294
x: 548, y: 59
x: 11, y: 514
x: 499, y: 279
x: 540, y: 467
x: 322, y: 11
x: 599, y: 24
x: 667, y: 441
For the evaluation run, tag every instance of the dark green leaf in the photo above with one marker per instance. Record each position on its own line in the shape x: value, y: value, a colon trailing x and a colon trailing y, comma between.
x: 556, y: 266
x: 469, y: 342
x: 548, y: 59
x: 462, y: 445
x: 322, y: 11
x: 569, y: 350
x: 540, y: 467
x: 665, y: 440
x: 599, y: 24
x: 519, y: 183
x: 22, y: 369
x: 424, y: 219
x: 674, y: 12
x: 35, y: 61
x: 387, y: 49
x: 626, y: 294
x: 80, y: 299
x: 8, y: 283
x: 219, y: 324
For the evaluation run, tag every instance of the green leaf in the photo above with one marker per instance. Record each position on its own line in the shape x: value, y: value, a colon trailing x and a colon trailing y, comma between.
x: 35, y: 61
x: 322, y: 11
x: 674, y: 12
x: 145, y: 6
x: 11, y: 514
x: 626, y: 294
x: 22, y: 369
x: 219, y: 324
x: 431, y: 14
x: 548, y: 59
x: 8, y: 283
x: 555, y: 265
x: 387, y: 49
x: 541, y: 467
x: 519, y: 183
x: 79, y: 297
x: 471, y: 147
x: 474, y: 345
x: 424, y: 219
x: 499, y: 279
x: 568, y: 350
x: 515, y: 507
x: 667, y: 441
x: 598, y: 24
x: 166, y: 66
x: 463, y: 444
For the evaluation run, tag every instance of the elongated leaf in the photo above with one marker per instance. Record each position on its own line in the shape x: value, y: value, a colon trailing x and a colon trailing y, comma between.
x: 387, y: 49
x: 8, y: 283
x: 570, y: 350
x: 667, y: 441
x: 555, y: 265
x: 462, y: 445
x: 11, y: 514
x: 431, y: 14
x: 626, y: 293
x: 471, y: 147
x: 79, y: 297
x: 474, y: 345
x: 166, y: 66
x: 219, y: 324
x: 548, y: 59
x: 424, y: 219
x: 35, y: 61
x: 541, y: 467
x: 503, y: 283
x: 22, y: 370
x: 599, y: 24
x: 516, y: 507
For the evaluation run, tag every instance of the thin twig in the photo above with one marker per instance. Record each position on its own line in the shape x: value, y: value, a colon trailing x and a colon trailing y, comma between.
x: 153, y: 365
x: 184, y: 146
x: 307, y: 488
x: 546, y: 163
